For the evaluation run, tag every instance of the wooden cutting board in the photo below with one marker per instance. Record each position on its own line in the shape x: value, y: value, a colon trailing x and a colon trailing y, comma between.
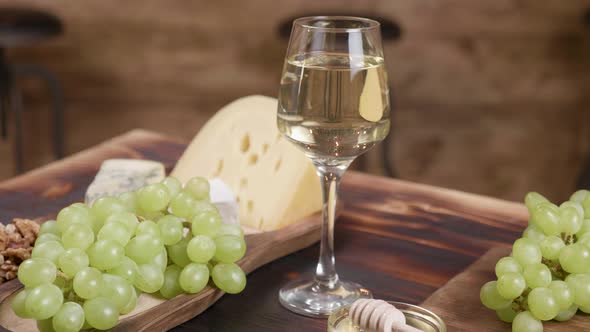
x: 458, y: 304
x: 155, y: 314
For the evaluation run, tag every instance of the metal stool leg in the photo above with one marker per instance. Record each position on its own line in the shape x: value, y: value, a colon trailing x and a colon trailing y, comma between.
x: 57, y: 101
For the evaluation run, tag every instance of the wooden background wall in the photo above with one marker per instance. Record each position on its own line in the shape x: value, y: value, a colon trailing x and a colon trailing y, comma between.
x: 491, y: 96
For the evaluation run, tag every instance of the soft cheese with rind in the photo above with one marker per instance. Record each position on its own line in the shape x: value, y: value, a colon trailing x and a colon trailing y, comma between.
x: 276, y: 184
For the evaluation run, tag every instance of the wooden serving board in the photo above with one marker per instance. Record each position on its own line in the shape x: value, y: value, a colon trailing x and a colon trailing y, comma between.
x: 156, y: 314
x: 458, y: 304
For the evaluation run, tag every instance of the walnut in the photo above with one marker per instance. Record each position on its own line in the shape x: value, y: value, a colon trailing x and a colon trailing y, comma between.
x: 16, y: 244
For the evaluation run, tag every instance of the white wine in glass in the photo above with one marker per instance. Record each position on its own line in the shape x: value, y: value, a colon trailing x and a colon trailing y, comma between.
x: 334, y: 105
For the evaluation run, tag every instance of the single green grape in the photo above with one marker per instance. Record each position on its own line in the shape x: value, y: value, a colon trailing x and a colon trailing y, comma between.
x: 546, y: 216
x: 150, y: 278
x: 78, y: 236
x: 43, y: 301
x: 153, y: 215
x: 50, y: 227
x: 194, y: 277
x: 585, y: 228
x: 507, y: 265
x: 129, y: 199
x: 586, y: 206
x: 230, y: 278
x: 203, y: 206
x: 206, y: 223
x: 161, y: 260
x: 201, y: 249
x: 570, y: 220
x: 105, y: 254
x: 532, y: 199
x: 88, y: 282
x: 575, y: 205
x: 47, y: 237
x: 526, y: 322
x: 148, y: 227
x: 526, y: 252
x: 106, y: 206
x: 178, y: 252
x: 18, y: 304
x: 36, y: 271
x: 126, y: 218
x: 562, y: 294
x: 533, y: 233
x: 153, y: 197
x: 173, y: 185
x: 115, y: 231
x: 171, y: 286
x: 579, y: 196
x: 229, y: 229
x: 537, y: 275
x: 198, y: 187
x: 584, y: 239
x: 50, y: 250
x: 72, y: 261
x: 73, y: 214
x: 116, y: 289
x: 229, y: 248
x: 579, y: 284
x: 131, y: 304
x: 171, y: 229
x: 143, y: 248
x: 507, y: 314
x: 542, y: 304
x: 585, y: 310
x: 551, y: 247
x: 127, y: 270
x: 69, y: 318
x: 101, y: 313
x: 567, y: 314
x: 182, y: 205
x: 511, y: 285
x: 575, y: 258
x: 489, y: 296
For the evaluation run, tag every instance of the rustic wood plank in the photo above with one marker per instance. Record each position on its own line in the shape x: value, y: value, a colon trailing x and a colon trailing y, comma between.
x: 403, y: 240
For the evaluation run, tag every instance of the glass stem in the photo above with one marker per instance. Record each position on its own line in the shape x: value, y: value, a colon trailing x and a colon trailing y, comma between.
x: 330, y: 175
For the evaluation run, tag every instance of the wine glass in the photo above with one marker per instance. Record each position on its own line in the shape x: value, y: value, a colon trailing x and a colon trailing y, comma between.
x: 334, y: 105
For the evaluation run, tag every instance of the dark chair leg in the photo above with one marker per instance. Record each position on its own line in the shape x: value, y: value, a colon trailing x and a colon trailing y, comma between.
x: 3, y: 117
x: 57, y: 101
x: 17, y: 109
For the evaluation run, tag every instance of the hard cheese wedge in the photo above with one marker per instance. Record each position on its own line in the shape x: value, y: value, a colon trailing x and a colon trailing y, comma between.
x: 276, y: 184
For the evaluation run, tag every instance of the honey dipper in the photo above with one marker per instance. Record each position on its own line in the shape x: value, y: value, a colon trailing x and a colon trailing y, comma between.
x: 379, y: 316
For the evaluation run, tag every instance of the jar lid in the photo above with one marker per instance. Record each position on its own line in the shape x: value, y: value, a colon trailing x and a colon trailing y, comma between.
x: 416, y: 316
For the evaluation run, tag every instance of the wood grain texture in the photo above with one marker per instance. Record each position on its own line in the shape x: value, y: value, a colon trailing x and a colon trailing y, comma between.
x: 458, y: 303
x: 473, y: 81
x: 402, y: 240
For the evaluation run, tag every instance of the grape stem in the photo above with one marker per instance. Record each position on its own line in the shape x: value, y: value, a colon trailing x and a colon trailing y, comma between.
x: 555, y: 269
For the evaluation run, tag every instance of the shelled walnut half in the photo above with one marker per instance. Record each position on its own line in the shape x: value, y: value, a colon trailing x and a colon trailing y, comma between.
x: 16, y: 244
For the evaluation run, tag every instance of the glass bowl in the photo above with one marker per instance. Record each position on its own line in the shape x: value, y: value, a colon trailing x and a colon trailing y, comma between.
x: 416, y: 316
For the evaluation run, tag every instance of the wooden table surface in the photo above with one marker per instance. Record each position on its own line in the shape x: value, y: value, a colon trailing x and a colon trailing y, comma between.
x: 400, y: 239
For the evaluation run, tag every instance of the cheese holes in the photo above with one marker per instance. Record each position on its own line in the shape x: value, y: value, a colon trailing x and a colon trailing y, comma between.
x: 243, y: 183
x: 264, y: 148
x: 278, y: 164
x: 245, y: 144
x: 219, y: 168
x: 250, y: 206
x: 253, y: 159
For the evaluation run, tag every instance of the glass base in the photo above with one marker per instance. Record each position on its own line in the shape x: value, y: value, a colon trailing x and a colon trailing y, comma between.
x: 308, y: 298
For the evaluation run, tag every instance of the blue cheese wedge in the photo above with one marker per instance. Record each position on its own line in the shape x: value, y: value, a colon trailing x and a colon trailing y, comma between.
x: 117, y: 176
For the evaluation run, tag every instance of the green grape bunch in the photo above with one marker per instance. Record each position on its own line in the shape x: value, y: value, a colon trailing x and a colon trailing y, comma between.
x: 547, y: 275
x: 90, y: 265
